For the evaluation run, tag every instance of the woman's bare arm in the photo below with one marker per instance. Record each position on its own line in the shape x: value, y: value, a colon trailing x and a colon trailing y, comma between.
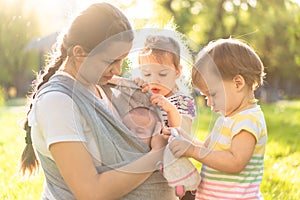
x: 78, y: 170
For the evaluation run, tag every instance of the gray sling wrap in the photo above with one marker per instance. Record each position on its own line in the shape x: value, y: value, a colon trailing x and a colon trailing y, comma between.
x: 118, y: 146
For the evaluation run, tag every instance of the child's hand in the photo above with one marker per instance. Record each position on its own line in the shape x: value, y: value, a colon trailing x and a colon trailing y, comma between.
x: 144, y: 85
x: 163, y: 102
x: 181, y: 147
x: 167, y: 131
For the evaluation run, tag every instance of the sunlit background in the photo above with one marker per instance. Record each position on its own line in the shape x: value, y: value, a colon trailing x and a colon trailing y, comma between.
x: 271, y: 27
x: 54, y: 14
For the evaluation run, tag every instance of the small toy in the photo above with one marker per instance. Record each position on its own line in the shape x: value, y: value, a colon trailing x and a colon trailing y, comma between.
x: 179, y: 172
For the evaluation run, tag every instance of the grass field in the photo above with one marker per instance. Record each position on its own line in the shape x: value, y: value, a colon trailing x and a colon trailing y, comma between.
x: 282, y: 163
x: 12, y: 185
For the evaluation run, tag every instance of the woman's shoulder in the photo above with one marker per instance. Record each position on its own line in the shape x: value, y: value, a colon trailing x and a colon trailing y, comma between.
x: 55, y: 97
x: 55, y: 102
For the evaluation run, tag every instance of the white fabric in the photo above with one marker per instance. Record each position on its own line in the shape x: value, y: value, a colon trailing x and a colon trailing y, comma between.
x: 59, y: 120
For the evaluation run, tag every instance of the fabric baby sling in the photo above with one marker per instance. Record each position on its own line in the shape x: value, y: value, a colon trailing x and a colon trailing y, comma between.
x: 118, y: 146
x: 180, y: 173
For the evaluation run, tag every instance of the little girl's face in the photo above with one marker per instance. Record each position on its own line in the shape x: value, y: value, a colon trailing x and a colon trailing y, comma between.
x: 160, y: 75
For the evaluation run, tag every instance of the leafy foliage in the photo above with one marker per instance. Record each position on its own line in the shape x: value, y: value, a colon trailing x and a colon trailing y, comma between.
x: 270, y: 27
x: 18, y: 26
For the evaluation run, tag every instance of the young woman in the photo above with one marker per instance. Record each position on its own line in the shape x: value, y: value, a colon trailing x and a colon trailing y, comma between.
x: 86, y: 152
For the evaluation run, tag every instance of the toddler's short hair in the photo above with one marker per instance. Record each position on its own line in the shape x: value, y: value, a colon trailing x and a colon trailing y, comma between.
x: 231, y: 57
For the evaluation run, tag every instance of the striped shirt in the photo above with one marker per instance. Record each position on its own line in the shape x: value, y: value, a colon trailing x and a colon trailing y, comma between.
x: 184, y: 104
x: 246, y: 184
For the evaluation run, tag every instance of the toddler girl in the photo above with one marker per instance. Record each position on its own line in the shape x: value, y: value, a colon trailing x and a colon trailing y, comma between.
x: 160, y: 67
x: 227, y: 72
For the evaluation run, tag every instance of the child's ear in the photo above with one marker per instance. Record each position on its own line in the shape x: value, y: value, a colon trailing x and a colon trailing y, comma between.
x: 178, y: 71
x: 239, y: 82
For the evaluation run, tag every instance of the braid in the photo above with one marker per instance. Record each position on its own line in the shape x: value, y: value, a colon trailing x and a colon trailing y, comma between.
x: 87, y: 31
x: 29, y: 161
x: 51, y: 70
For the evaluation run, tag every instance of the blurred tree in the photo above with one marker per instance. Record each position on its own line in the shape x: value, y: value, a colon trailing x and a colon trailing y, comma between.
x: 18, y: 26
x: 278, y: 44
x: 271, y: 27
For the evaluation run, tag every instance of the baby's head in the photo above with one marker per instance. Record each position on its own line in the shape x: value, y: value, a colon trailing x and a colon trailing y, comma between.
x: 160, y: 63
x: 227, y: 72
x: 142, y: 122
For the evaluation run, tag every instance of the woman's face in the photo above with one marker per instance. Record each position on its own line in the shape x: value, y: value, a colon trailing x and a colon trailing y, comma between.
x: 160, y: 75
x: 100, y: 67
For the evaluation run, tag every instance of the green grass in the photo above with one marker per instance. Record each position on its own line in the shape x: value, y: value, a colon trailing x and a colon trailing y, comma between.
x: 12, y: 185
x: 282, y: 162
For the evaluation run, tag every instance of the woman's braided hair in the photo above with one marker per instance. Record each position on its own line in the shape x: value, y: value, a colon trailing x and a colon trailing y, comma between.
x: 94, y: 25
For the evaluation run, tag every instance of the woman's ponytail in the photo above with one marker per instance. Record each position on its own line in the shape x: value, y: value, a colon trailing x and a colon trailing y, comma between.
x: 29, y: 161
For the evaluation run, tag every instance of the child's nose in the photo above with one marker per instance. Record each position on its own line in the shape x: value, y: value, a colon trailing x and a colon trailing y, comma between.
x: 155, y: 79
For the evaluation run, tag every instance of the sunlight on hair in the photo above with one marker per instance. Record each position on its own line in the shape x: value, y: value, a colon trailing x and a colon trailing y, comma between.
x: 54, y: 14
x: 296, y: 1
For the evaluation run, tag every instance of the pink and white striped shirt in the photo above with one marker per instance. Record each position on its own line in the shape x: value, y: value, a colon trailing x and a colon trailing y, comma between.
x: 245, y: 185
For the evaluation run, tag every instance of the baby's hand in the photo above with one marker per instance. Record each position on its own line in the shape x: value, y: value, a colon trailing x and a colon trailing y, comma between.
x: 141, y: 83
x: 166, y: 131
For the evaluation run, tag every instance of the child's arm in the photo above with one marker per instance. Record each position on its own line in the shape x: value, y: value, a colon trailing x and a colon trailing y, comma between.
x: 174, y: 117
x: 187, y: 136
x: 186, y: 124
x: 231, y: 161
x: 188, y: 111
